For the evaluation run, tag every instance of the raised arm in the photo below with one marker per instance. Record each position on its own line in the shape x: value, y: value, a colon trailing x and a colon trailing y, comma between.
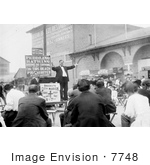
x: 71, y: 67
x: 54, y: 68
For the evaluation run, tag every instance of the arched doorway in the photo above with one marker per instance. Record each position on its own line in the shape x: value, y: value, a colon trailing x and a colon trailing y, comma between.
x: 142, y: 54
x: 112, y: 61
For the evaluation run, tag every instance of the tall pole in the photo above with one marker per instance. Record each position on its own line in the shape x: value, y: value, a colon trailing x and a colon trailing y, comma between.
x: 95, y: 35
x: 126, y: 31
x: 44, y: 40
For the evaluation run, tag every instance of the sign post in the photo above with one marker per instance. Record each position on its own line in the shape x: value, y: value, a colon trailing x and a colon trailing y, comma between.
x: 39, y: 64
x: 37, y: 51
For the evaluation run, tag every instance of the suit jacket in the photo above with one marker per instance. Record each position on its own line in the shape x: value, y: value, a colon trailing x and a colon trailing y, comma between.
x: 105, y: 93
x: 59, y: 72
x: 105, y: 96
x: 87, y: 111
x: 31, y: 112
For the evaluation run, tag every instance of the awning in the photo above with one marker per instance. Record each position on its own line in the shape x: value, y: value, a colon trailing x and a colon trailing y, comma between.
x: 103, y: 72
x: 84, y: 73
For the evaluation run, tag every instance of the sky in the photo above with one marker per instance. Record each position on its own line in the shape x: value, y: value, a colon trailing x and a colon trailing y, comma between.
x: 15, y: 43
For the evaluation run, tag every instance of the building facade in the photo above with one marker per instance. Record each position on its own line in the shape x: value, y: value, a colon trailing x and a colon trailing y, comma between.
x: 121, y: 55
x: 117, y: 48
x: 4, y: 67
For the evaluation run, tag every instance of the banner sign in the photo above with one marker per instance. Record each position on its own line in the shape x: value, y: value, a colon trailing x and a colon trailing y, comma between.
x: 50, y: 92
x: 118, y: 70
x: 39, y: 64
x: 37, y: 51
x: 84, y: 73
x: 103, y: 72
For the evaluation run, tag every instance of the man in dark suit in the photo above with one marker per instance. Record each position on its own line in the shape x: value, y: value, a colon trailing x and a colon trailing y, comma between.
x: 105, y: 94
x: 87, y: 108
x: 101, y: 90
x: 32, y: 111
x: 63, y: 78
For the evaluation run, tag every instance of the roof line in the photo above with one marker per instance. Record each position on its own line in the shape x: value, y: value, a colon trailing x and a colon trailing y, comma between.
x: 18, y: 71
x: 36, y: 28
x: 4, y: 59
x: 112, y: 44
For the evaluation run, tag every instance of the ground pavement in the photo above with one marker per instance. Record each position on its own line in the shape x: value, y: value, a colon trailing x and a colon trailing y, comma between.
x: 116, y: 120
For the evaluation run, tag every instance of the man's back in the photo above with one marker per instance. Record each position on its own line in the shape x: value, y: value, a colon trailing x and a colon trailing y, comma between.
x: 105, y: 93
x: 89, y: 101
x: 12, y: 99
x: 88, y: 111
x: 31, y: 112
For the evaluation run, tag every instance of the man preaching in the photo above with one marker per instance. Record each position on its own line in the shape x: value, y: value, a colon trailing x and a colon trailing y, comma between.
x: 63, y: 78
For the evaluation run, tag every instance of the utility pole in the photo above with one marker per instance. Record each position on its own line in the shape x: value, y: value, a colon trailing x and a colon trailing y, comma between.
x: 126, y: 31
x: 44, y: 40
x: 95, y: 35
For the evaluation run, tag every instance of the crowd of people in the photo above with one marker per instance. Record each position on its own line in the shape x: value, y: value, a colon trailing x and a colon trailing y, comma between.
x: 23, y: 109
x: 89, y: 102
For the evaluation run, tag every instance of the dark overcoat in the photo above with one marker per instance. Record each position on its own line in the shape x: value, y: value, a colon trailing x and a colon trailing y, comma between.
x: 88, y: 111
x: 31, y: 112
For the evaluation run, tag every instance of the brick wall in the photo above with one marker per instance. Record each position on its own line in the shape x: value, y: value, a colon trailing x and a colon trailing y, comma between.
x: 81, y: 36
x: 107, y: 31
x: 87, y: 63
x: 59, y: 39
x: 85, y: 33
